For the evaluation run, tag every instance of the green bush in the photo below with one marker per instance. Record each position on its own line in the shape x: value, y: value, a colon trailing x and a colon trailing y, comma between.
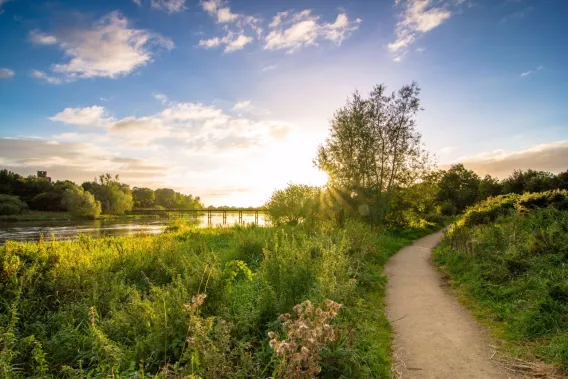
x: 11, y: 205
x: 447, y: 208
x: 489, y: 210
x: 510, y: 255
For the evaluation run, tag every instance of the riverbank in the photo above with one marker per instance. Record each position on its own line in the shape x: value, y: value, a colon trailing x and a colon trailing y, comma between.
x: 199, y: 302
x: 36, y: 216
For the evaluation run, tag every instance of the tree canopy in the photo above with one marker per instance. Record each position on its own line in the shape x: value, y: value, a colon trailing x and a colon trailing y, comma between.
x: 374, y: 147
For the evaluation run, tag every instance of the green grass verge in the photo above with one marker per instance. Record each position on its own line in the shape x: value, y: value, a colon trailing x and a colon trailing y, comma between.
x: 512, y: 271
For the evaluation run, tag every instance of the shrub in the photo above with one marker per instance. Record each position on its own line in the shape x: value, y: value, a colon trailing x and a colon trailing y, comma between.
x: 11, y: 205
x: 81, y: 203
x: 489, y: 210
x: 447, y: 208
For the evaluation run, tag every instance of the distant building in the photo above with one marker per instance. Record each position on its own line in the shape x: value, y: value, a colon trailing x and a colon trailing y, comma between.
x: 43, y: 174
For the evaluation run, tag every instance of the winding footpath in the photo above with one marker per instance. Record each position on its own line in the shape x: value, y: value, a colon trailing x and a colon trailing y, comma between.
x: 434, y: 336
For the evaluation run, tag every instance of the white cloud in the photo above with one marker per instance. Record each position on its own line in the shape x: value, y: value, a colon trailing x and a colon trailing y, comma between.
x: 138, y: 2
x: 6, y: 73
x: 111, y: 48
x: 446, y: 150
x: 235, y: 26
x: 232, y: 42
x: 193, y: 124
x: 550, y: 157
x: 88, y: 116
x: 209, y: 43
x: 277, y: 20
x: 42, y: 75
x: 269, y: 67
x: 162, y: 98
x: 190, y: 112
x: 238, y: 43
x: 223, y: 14
x: 419, y: 17
x: 291, y: 32
x: 170, y: 6
x: 242, y: 105
x: 78, y: 161
x: 530, y: 72
x: 41, y: 38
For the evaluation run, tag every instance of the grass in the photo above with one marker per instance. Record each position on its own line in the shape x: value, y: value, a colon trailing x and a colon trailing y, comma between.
x: 512, y: 270
x: 133, y: 306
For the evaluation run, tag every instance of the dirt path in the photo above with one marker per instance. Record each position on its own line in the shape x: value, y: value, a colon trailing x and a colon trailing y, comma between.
x: 434, y: 336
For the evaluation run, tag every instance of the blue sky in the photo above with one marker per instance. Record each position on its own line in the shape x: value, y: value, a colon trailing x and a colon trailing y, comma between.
x: 229, y: 99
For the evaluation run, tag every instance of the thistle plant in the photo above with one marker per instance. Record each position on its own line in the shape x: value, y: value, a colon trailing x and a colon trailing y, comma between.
x: 308, y: 331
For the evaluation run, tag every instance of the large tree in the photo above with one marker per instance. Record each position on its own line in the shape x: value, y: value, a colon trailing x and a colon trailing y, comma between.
x: 115, y: 197
x: 374, y: 147
x: 458, y: 186
x: 81, y: 203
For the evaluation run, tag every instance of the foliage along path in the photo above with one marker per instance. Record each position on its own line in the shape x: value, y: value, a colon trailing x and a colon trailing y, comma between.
x: 434, y: 336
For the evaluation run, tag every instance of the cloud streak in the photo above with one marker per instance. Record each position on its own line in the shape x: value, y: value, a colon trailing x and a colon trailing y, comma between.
x: 530, y: 72
x: 6, y: 73
x: 552, y: 157
x: 418, y: 18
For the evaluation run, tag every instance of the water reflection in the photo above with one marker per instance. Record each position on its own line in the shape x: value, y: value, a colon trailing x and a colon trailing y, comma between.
x: 65, y: 230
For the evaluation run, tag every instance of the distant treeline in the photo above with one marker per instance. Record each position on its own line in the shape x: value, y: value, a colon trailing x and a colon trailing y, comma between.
x: 459, y: 188
x: 105, y: 194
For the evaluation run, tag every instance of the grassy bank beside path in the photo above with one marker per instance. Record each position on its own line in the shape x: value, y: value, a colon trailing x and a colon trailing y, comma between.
x: 197, y: 303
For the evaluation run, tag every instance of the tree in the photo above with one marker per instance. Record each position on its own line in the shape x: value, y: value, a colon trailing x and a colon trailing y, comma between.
x: 563, y: 180
x: 11, y: 205
x: 489, y: 187
x: 51, y: 200
x: 143, y: 197
x: 374, y: 147
x: 292, y: 205
x: 115, y: 197
x: 165, y: 197
x: 458, y: 186
x: 81, y: 203
x: 529, y: 181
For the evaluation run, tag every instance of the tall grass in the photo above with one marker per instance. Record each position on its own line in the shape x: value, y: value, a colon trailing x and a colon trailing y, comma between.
x: 514, y: 268
x: 191, y: 302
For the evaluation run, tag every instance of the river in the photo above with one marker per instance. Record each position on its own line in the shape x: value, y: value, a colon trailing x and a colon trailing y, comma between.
x: 65, y: 230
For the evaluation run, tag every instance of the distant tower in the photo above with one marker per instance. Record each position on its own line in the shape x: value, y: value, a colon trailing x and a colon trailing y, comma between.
x: 43, y: 174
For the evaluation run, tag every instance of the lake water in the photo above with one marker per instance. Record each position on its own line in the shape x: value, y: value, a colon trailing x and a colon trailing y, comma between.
x: 65, y: 230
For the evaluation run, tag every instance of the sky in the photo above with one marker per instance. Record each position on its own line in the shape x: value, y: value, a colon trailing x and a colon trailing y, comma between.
x: 229, y: 99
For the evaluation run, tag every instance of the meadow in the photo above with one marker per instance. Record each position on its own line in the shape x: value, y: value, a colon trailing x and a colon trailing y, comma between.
x: 199, y: 303
x: 508, y: 257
